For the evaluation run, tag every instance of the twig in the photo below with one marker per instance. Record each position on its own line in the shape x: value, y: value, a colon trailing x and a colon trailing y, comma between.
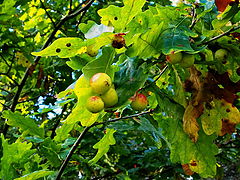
x: 80, y: 19
x: 5, y: 60
x: 125, y: 117
x: 161, y: 73
x: 36, y: 60
x: 49, y: 16
x: 194, y: 19
x: 221, y: 35
x: 77, y: 142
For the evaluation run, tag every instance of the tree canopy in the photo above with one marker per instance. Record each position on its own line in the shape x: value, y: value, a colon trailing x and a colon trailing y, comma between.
x: 163, y: 105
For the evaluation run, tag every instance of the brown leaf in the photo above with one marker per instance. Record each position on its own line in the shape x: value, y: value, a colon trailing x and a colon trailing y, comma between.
x: 222, y: 4
x: 187, y: 169
x: 227, y: 127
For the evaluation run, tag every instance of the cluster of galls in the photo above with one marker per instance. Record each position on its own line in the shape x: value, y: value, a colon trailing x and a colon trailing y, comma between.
x: 106, y: 97
x: 183, y: 59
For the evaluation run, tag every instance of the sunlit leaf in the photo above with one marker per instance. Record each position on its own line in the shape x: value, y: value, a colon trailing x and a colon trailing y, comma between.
x: 63, y: 47
x: 103, y: 145
x: 80, y: 112
x: 16, y: 153
x: 35, y: 175
x: 147, y: 44
x: 120, y: 17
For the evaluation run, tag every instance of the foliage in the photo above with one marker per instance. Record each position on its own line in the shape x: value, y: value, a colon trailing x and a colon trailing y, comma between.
x: 49, y: 50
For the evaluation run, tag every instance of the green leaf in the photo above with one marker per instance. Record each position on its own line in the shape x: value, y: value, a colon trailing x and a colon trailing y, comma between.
x: 36, y: 175
x: 147, y: 45
x: 17, y: 153
x: 50, y: 150
x: 7, y: 8
x: 63, y: 48
x: 182, y: 149
x: 154, y: 133
x: 174, y: 39
x: 25, y: 123
x: 103, y: 145
x: 85, y: 27
x: 179, y: 95
x: 225, y: 17
x: 129, y: 79
x: 102, y: 64
x: 120, y: 17
x: 232, y: 62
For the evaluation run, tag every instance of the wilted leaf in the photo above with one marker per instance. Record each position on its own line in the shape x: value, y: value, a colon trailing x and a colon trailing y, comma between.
x: 103, y: 145
x: 190, y: 124
x: 222, y: 4
x: 226, y: 16
x: 182, y: 149
x: 220, y: 118
x: 187, y: 169
x: 25, y: 123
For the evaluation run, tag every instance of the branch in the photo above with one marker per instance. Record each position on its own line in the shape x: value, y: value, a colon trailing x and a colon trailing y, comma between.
x: 70, y: 6
x: 78, y: 141
x: 36, y: 60
x: 221, y: 35
x: 74, y: 147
